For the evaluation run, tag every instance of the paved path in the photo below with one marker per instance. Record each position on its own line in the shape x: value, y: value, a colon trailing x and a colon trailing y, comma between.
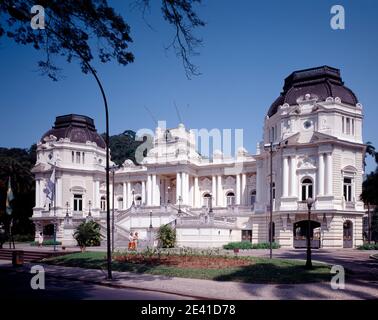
x: 16, y: 285
x: 358, y: 262
x: 356, y: 289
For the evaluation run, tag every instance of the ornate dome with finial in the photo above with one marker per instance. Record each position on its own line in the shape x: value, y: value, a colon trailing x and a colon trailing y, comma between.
x: 320, y: 82
x: 77, y: 128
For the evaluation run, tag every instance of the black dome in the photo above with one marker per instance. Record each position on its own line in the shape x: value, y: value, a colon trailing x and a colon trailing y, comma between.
x: 322, y: 81
x: 77, y: 128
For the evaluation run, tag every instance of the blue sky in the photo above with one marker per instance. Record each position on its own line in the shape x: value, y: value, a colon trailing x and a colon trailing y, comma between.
x: 249, y: 47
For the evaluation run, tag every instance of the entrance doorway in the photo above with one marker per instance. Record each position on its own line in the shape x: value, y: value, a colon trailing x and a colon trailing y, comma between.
x: 348, y: 234
x: 300, y: 234
x: 247, y: 235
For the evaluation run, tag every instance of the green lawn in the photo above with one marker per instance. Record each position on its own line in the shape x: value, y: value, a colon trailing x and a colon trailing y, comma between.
x: 261, y: 270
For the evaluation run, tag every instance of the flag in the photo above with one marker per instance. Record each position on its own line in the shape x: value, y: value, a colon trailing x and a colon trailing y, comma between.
x: 10, y: 197
x: 50, y: 188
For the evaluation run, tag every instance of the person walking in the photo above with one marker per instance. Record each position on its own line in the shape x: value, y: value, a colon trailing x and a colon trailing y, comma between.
x: 131, y: 241
x: 135, y: 241
x: 40, y: 239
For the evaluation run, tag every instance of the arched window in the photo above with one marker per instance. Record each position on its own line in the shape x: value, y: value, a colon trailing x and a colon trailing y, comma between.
x: 348, y: 189
x: 138, y: 200
x: 307, y: 187
x: 206, y: 200
x: 253, y: 197
x: 120, y: 203
x: 103, y: 203
x: 230, y: 198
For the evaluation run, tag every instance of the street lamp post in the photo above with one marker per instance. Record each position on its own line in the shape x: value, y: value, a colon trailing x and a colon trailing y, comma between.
x: 151, y: 241
x: 310, y: 202
x: 271, y: 147
x: 89, y: 208
x: 179, y: 201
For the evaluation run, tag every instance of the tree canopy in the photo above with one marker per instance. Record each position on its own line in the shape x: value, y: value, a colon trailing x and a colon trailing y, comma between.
x: 83, y: 29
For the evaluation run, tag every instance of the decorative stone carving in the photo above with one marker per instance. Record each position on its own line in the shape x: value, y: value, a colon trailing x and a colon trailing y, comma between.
x: 205, y: 183
x: 230, y: 181
x: 306, y: 162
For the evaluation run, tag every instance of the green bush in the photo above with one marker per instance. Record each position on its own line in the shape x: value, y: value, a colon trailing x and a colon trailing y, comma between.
x: 23, y: 237
x: 46, y: 243
x: 166, y: 236
x: 248, y: 245
x: 368, y: 246
x: 88, y: 234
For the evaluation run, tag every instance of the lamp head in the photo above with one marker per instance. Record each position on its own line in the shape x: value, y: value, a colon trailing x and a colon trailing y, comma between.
x: 310, y: 202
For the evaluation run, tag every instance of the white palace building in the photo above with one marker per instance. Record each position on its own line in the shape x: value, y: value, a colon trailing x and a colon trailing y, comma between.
x: 314, y: 128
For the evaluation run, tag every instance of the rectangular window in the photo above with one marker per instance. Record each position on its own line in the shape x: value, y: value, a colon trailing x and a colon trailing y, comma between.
x: 78, y: 202
x: 353, y: 126
x: 304, y: 193
x: 73, y: 157
x: 83, y: 157
x: 77, y: 157
x: 347, y: 125
x: 348, y: 189
x: 343, y: 124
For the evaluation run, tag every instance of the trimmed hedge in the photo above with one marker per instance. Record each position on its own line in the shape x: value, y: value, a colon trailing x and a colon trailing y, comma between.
x: 368, y: 246
x: 46, y: 243
x: 248, y: 245
x: 23, y: 237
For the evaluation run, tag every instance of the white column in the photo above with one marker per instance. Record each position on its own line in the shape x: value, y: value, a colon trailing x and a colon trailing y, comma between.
x: 157, y: 191
x: 214, y: 190
x: 191, y: 192
x: 321, y: 175
x: 243, y: 188
x: 186, y: 188
x: 220, y: 192
x: 238, y: 189
x: 293, y: 176
x: 124, y: 196
x: 329, y: 172
x: 37, y: 195
x: 59, y: 192
x: 285, y: 176
x: 98, y: 197
x: 129, y: 194
x: 259, y: 186
x: 42, y: 196
x: 110, y: 195
x: 143, y: 192
x: 197, y: 201
x: 178, y: 186
x: 183, y: 187
x: 153, y: 190
x: 149, y: 189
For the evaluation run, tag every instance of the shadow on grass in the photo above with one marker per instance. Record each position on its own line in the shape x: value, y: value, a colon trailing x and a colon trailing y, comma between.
x: 277, y: 274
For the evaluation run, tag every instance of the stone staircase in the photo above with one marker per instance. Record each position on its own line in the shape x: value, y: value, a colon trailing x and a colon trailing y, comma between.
x: 29, y: 255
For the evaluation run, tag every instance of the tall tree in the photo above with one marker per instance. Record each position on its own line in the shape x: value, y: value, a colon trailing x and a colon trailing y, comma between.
x: 79, y: 29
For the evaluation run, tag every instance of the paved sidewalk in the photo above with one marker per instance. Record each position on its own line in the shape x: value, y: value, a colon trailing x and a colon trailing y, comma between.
x: 207, y: 289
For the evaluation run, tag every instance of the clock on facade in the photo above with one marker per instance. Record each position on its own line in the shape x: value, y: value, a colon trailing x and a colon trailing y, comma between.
x: 307, y: 124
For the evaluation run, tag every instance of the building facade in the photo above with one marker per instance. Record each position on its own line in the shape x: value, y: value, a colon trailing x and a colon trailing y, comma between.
x: 312, y: 137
